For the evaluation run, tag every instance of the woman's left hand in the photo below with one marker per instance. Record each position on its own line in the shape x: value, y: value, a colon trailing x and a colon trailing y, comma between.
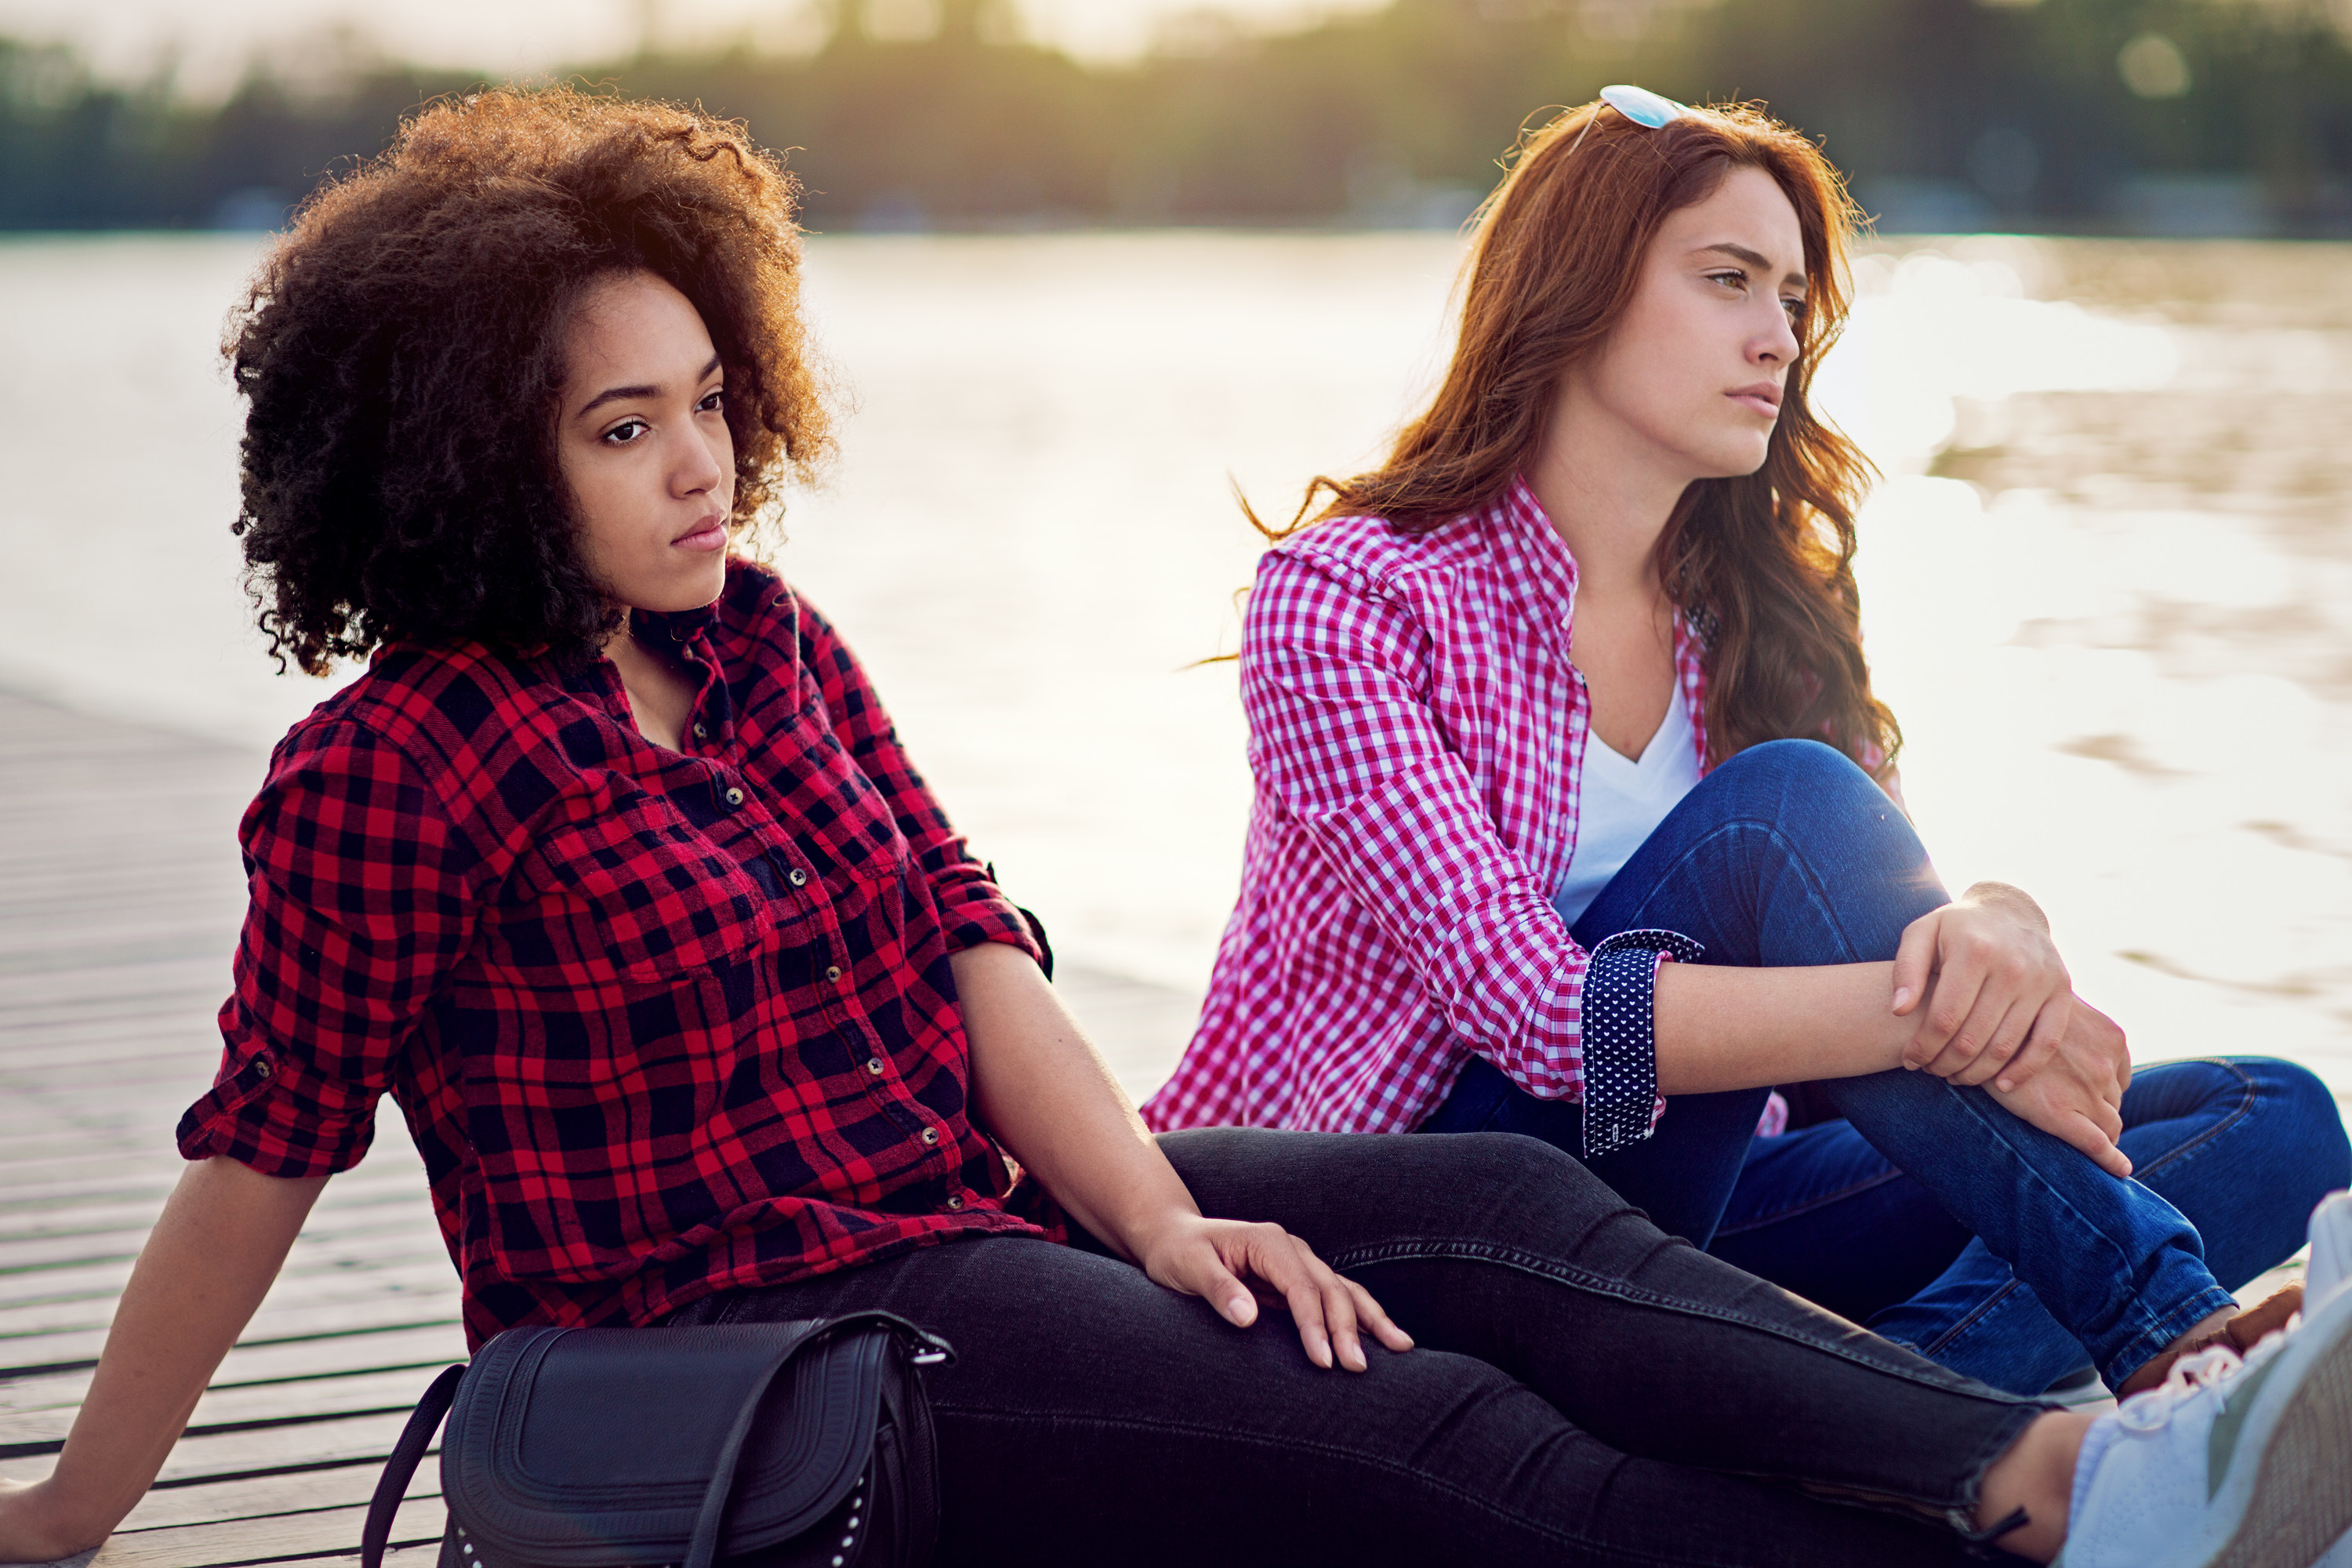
x: 1997, y: 996
x: 1230, y: 1264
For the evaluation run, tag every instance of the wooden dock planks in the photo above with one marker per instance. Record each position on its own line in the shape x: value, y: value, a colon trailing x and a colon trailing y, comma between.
x: 120, y: 895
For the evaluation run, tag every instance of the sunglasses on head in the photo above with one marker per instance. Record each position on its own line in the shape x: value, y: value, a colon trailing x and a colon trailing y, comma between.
x: 1638, y: 104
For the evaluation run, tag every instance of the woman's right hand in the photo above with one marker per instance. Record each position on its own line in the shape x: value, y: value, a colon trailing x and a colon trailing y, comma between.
x: 31, y: 1531
x: 2075, y: 1093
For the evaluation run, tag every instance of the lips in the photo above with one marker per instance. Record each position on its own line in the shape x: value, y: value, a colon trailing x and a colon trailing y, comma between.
x: 708, y: 532
x: 1764, y: 398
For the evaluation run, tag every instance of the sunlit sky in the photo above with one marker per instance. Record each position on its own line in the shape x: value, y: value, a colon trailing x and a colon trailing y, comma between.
x: 211, y: 40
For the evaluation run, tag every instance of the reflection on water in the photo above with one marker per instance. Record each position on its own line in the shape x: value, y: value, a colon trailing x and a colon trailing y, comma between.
x: 2112, y: 602
x: 2105, y: 583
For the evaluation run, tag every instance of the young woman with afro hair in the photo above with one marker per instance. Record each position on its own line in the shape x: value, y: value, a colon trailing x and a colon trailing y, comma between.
x: 611, y: 871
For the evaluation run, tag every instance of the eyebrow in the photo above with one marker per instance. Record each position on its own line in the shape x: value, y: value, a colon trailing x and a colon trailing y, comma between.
x: 1753, y: 258
x: 616, y: 394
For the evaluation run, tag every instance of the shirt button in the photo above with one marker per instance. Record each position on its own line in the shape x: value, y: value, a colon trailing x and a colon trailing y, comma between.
x: 261, y: 1068
x: 833, y: 972
x: 734, y: 797
x: 702, y: 731
x: 874, y: 1066
x: 956, y: 1202
x: 930, y: 1135
x: 798, y: 877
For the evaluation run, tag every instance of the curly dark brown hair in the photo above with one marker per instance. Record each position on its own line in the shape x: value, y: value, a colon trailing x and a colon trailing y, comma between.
x: 401, y: 352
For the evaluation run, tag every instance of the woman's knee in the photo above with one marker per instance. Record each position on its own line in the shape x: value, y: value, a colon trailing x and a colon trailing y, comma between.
x: 1798, y: 785
x: 2311, y: 1142
x: 1339, y: 1189
x: 1801, y: 765
x: 1495, y: 1184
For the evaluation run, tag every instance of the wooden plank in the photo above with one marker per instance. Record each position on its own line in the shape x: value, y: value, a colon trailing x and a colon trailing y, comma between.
x: 422, y: 1280
x: 373, y: 1189
x: 250, y: 1406
x: 405, y: 1214
x: 295, y: 1363
x: 250, y: 1497
x: 275, y: 1538
x: 265, y: 1450
x: 365, y: 1313
x: 338, y: 1254
x: 154, y: 1177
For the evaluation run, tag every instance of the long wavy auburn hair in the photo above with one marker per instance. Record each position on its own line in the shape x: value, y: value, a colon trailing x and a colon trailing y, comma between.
x: 1762, y: 564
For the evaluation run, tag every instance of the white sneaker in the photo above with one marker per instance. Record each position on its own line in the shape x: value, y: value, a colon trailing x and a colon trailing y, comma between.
x: 2331, y: 1253
x: 2228, y: 1464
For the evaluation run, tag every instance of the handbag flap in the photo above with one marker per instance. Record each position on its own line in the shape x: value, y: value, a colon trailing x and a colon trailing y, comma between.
x: 585, y: 1448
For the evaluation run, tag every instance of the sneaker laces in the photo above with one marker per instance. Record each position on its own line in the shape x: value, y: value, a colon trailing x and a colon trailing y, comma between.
x: 2192, y: 1376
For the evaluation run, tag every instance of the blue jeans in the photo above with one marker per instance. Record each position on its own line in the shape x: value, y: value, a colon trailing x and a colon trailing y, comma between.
x: 1789, y: 855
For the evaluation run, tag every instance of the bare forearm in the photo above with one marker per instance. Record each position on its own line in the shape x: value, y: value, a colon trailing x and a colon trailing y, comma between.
x: 1721, y: 1028
x: 1039, y: 1087
x: 210, y: 1258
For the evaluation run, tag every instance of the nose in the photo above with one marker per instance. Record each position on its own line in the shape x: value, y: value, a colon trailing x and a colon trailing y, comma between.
x: 1777, y: 346
x: 699, y: 465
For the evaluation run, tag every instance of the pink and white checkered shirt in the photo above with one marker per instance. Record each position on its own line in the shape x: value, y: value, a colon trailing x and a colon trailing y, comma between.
x: 1417, y: 735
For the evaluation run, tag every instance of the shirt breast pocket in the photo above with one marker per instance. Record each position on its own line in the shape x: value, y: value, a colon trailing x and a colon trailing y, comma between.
x: 634, y: 890
x: 839, y: 819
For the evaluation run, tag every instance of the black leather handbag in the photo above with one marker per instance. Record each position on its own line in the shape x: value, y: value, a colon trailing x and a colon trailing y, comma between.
x: 800, y: 1445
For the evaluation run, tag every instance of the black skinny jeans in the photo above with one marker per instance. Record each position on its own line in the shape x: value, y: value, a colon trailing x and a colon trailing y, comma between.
x: 1586, y: 1389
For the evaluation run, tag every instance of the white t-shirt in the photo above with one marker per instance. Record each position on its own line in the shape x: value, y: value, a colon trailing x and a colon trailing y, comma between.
x: 1621, y: 802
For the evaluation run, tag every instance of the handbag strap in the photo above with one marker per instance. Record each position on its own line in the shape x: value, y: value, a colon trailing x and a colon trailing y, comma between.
x: 406, y: 1454
x: 928, y: 1349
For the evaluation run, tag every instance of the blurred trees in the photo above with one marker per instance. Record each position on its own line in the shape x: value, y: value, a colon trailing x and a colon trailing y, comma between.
x: 2223, y: 114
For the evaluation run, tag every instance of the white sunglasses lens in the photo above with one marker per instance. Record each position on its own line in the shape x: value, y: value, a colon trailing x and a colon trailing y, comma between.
x: 1640, y: 106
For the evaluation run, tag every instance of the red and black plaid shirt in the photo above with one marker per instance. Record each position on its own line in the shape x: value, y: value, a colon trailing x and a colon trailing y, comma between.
x: 663, y: 1024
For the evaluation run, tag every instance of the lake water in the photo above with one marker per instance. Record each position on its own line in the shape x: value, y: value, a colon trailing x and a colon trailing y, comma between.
x: 2107, y: 582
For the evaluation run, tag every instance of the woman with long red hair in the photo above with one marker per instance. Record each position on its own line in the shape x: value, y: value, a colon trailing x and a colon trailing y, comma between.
x: 1571, y: 687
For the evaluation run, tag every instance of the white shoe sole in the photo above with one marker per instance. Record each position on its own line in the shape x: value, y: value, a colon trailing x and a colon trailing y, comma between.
x: 2289, y: 1494
x: 2331, y: 1248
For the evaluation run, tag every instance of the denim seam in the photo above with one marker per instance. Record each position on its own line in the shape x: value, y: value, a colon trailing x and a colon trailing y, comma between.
x: 1603, y: 1285
x: 2247, y: 1096
x: 1975, y: 1316
x: 2245, y: 1107
x: 1225, y: 1434
x: 2149, y: 1322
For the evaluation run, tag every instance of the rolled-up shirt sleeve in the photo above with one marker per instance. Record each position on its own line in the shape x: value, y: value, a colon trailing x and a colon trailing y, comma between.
x: 1350, y: 752
x: 361, y: 901
x: 1621, y: 1102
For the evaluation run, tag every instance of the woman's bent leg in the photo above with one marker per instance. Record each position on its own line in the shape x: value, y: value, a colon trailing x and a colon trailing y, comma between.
x: 2243, y: 1146
x: 1786, y: 855
x: 1092, y: 1416
x: 1798, y: 859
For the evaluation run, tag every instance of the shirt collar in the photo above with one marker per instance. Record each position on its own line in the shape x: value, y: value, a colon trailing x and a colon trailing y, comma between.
x: 683, y: 625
